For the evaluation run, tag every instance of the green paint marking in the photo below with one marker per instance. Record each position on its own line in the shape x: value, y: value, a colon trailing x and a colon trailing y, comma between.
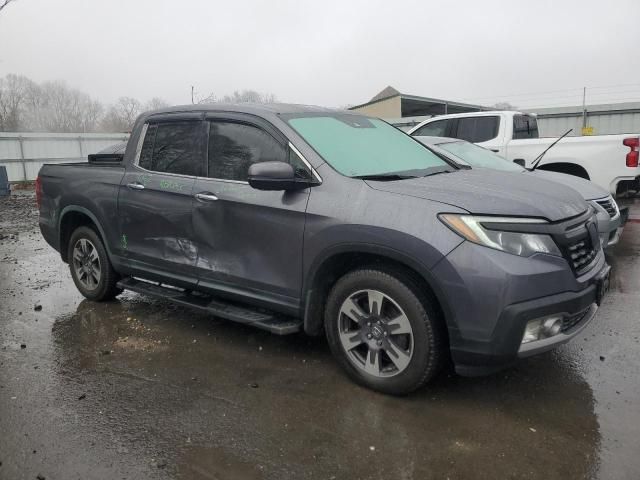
x: 144, y: 179
x: 171, y: 185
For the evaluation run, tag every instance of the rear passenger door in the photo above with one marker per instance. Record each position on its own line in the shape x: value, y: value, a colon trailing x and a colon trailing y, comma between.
x: 249, y: 242
x: 155, y: 199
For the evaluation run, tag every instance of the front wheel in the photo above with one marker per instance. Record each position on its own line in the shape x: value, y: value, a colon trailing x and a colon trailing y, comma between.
x: 90, y: 267
x: 384, y: 333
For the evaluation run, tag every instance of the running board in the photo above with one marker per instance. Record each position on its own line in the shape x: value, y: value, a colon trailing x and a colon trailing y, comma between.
x: 274, y: 323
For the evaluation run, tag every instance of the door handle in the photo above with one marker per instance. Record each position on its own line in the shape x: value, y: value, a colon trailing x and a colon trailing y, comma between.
x: 135, y: 186
x: 207, y: 197
x: 494, y: 150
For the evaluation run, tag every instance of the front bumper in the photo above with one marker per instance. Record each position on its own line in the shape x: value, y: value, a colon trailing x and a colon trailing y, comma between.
x: 546, y: 344
x: 609, y: 228
x: 491, y: 296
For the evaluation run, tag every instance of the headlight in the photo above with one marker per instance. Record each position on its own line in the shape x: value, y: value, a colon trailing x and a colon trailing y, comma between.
x: 523, y: 244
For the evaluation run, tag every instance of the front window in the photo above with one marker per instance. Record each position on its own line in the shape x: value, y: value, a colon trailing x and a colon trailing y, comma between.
x: 234, y: 147
x: 479, y: 157
x: 358, y: 146
x: 433, y: 129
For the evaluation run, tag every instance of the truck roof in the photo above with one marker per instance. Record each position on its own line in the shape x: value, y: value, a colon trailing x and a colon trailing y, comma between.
x: 254, y: 108
x: 481, y: 114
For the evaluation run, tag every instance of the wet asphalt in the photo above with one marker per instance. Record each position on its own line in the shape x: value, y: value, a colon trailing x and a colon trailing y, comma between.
x: 138, y: 388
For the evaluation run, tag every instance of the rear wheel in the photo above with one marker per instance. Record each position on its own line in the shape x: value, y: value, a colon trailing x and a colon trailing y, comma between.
x: 90, y: 267
x: 384, y: 333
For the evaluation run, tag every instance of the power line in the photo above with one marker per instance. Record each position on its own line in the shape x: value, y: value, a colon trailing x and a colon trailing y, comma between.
x: 567, y: 91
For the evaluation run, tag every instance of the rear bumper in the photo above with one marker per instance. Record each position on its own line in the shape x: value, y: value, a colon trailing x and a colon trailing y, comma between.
x: 50, y: 234
x: 621, y: 184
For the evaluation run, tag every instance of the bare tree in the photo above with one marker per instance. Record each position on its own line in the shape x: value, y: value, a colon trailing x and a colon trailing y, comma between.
x: 504, y: 106
x: 54, y: 107
x: 244, y: 96
x: 249, y: 96
x: 211, y: 98
x: 155, y: 103
x: 5, y: 3
x: 13, y: 94
x: 121, y: 115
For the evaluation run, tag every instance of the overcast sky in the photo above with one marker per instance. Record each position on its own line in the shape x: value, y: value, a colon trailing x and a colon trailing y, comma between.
x: 329, y: 52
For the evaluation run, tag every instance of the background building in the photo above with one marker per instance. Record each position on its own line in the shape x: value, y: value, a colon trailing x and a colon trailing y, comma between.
x: 605, y: 119
x: 405, y: 111
x: 390, y: 103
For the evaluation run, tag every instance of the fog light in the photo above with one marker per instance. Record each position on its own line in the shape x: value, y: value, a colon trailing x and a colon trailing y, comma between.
x: 542, y: 328
x: 551, y: 326
x: 532, y: 331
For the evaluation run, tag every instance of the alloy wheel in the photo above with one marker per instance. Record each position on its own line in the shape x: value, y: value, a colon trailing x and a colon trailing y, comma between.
x: 375, y: 333
x: 86, y: 263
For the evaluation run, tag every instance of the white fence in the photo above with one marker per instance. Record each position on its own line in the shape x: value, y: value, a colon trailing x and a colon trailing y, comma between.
x: 24, y: 153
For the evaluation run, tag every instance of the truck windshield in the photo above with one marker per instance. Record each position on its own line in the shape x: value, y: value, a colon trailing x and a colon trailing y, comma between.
x: 358, y: 146
x: 479, y: 157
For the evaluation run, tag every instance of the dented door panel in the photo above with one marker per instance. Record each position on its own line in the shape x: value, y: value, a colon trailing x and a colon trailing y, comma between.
x: 249, y: 240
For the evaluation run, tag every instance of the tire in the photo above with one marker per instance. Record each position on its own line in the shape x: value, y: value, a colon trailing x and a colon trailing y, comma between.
x: 396, y: 349
x: 90, y: 267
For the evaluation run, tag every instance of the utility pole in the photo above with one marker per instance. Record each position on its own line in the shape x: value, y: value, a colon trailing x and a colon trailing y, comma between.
x: 192, y: 94
x: 584, y: 107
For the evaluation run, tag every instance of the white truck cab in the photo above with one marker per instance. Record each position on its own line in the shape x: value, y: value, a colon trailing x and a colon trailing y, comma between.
x: 610, y: 161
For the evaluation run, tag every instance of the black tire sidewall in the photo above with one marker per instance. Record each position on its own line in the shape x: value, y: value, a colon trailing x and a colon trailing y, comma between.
x: 423, y: 363
x: 104, y: 286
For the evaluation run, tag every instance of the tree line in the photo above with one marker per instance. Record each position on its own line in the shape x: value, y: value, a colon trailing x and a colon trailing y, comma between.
x: 28, y: 106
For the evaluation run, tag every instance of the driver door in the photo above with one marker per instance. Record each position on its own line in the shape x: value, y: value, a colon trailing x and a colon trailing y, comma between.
x: 249, y: 241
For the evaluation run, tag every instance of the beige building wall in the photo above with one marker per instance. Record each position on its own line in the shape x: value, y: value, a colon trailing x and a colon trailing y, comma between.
x: 389, y: 108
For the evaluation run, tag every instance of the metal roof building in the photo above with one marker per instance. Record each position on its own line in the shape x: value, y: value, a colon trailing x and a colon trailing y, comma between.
x: 604, y: 119
x: 390, y: 103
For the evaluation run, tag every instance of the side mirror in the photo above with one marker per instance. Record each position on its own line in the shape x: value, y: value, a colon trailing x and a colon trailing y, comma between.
x: 519, y: 161
x: 274, y: 176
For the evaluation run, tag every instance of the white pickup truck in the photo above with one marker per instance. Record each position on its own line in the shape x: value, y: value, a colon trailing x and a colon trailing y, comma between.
x: 610, y: 161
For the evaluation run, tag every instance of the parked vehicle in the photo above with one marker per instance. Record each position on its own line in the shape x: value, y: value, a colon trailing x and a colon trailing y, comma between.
x: 466, y: 153
x: 293, y: 218
x: 610, y: 161
x: 5, y: 187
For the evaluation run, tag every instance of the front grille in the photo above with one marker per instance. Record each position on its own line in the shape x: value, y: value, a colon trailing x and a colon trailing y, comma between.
x: 581, y: 254
x: 569, y: 322
x: 608, y: 205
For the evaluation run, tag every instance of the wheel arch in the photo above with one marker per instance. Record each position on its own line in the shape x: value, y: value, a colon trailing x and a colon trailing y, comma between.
x: 566, y: 167
x: 338, y: 261
x: 72, y: 217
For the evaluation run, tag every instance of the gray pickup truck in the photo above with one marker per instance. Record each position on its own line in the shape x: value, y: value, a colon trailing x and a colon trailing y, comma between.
x: 293, y: 218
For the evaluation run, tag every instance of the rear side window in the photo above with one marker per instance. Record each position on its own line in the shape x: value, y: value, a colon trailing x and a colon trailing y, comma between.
x: 172, y: 148
x: 433, y: 129
x: 525, y: 126
x: 234, y: 147
x: 477, y: 129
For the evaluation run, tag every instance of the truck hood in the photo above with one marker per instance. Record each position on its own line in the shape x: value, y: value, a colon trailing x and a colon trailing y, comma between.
x: 588, y: 190
x: 490, y: 192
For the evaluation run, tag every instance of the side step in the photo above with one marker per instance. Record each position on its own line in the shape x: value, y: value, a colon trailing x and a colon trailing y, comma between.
x: 274, y: 323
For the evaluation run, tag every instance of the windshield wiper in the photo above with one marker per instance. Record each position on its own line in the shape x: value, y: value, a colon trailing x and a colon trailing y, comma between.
x: 384, y: 177
x: 538, y: 159
x: 438, y: 172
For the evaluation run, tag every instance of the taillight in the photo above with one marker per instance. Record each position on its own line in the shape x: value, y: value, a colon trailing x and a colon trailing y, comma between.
x: 632, y: 157
x: 38, y: 191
